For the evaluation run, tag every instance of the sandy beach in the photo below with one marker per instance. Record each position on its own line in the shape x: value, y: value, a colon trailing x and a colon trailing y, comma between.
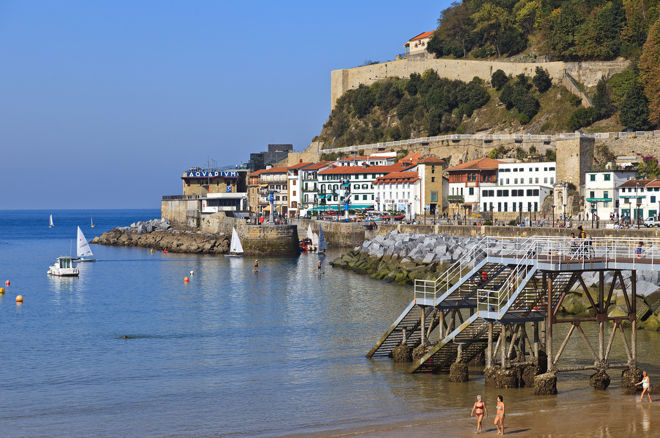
x: 598, y: 415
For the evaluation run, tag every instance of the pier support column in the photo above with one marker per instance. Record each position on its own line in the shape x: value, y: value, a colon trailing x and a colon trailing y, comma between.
x: 503, y: 347
x: 633, y: 299
x: 548, y: 327
x: 545, y: 384
x: 422, y: 322
x: 458, y: 371
x: 441, y: 325
x: 489, y: 349
x: 600, y: 380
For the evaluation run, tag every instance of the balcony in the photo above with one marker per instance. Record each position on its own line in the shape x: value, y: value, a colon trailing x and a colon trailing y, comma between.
x: 455, y: 198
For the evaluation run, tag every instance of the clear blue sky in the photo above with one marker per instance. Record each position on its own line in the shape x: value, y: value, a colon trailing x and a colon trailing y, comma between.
x: 105, y: 103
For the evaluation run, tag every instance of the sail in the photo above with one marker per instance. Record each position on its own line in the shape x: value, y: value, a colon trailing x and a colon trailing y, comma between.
x: 83, y: 249
x: 315, y: 239
x: 322, y: 245
x: 92, y: 222
x: 310, y: 234
x: 51, y: 224
x: 236, y: 247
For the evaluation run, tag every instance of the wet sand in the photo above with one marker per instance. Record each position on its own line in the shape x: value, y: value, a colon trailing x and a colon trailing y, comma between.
x: 605, y: 414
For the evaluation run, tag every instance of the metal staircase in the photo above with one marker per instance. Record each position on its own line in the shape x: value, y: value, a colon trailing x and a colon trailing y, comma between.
x: 408, y: 321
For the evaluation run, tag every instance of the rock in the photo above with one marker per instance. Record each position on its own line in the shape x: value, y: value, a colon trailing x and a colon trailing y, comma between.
x: 652, y: 323
x: 572, y: 304
x: 402, y: 353
x: 428, y: 258
x: 600, y: 380
x: 629, y: 377
x: 645, y: 288
x: 528, y: 374
x: 545, y: 384
x: 489, y: 376
x: 419, y: 352
x: 458, y: 372
x: 653, y: 300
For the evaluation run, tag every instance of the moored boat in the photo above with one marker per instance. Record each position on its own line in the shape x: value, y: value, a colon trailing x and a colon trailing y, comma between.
x: 82, y: 249
x: 235, y: 248
x: 63, y: 267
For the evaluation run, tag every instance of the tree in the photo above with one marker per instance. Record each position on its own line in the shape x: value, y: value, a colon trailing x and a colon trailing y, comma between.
x: 491, y: 22
x: 648, y: 168
x: 363, y: 100
x: 455, y: 27
x: 559, y: 30
x: 649, y: 72
x: 634, y: 111
x: 499, y: 79
x: 602, y: 103
x: 581, y: 117
x: 541, y: 80
x: 414, y: 83
x: 526, y: 13
x: 598, y: 38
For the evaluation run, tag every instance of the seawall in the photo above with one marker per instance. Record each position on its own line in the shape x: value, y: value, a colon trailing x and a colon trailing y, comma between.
x: 352, y: 234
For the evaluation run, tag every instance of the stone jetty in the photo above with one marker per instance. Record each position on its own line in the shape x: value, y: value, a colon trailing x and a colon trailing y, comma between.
x: 405, y: 257
x: 159, y: 234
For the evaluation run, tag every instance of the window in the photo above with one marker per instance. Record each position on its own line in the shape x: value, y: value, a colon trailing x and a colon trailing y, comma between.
x: 294, y: 182
x: 552, y: 180
x: 530, y: 180
x: 471, y: 191
x: 535, y: 192
x: 364, y: 197
x: 652, y: 199
x: 592, y: 177
x: 536, y: 169
x: 605, y: 194
x: 514, y: 207
x: 294, y: 193
x: 607, y: 176
x: 552, y: 168
x: 432, y: 169
x: 536, y: 180
x: 515, y: 180
x: 530, y: 192
x: 536, y: 206
x: 592, y: 194
x: 432, y: 179
x: 434, y: 196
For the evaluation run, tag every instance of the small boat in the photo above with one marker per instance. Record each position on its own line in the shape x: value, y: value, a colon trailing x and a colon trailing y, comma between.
x: 92, y: 222
x: 51, y: 224
x: 63, y: 267
x: 308, y: 244
x: 82, y: 249
x: 323, y: 246
x: 235, y: 249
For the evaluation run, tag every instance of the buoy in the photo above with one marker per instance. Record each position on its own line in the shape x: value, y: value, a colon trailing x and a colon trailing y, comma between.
x: 19, y: 298
x: 164, y: 251
x: 192, y: 273
x: 2, y: 290
x: 7, y: 283
x: 186, y: 279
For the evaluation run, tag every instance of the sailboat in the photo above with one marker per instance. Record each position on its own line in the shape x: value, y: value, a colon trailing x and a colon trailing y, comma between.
x: 322, y: 244
x: 51, y: 224
x: 235, y: 249
x: 82, y: 249
x: 92, y: 222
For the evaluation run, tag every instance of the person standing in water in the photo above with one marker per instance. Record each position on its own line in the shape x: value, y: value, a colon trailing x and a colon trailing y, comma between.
x: 646, y: 387
x: 479, y: 409
x: 499, y: 415
x: 256, y: 266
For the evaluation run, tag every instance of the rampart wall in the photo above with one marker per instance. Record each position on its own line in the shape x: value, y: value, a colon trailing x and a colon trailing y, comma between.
x: 587, y: 73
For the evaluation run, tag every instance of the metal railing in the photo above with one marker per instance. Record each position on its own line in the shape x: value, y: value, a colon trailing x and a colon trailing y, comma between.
x: 432, y: 289
x: 499, y: 300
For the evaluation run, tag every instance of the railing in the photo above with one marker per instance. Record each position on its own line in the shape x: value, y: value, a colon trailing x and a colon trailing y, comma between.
x: 182, y: 197
x: 498, y: 300
x: 431, y: 289
x: 492, y: 137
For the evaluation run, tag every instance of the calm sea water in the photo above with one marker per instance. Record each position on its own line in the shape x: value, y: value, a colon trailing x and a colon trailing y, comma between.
x: 229, y: 354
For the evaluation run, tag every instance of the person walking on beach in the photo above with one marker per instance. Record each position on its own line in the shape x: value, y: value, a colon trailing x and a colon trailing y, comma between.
x: 499, y: 415
x: 646, y: 387
x: 479, y: 409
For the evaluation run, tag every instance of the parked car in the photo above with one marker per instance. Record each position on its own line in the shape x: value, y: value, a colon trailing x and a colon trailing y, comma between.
x: 652, y: 222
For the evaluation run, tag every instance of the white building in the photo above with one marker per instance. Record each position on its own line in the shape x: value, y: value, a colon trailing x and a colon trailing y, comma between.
x: 521, y: 188
x: 295, y: 187
x: 600, y: 192
x: 377, y: 159
x: 639, y: 199
x: 418, y: 43
x: 399, y: 191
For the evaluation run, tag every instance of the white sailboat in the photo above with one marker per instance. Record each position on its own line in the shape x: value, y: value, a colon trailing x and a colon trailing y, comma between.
x: 82, y: 249
x: 322, y: 243
x: 51, y: 224
x: 315, y: 240
x: 235, y: 249
x: 92, y: 222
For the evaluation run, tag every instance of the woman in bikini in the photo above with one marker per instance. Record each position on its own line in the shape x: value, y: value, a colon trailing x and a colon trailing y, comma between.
x: 646, y: 387
x: 499, y: 416
x: 479, y: 409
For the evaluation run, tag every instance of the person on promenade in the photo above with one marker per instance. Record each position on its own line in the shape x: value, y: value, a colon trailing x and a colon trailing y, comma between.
x: 499, y: 415
x: 646, y: 387
x: 639, y: 249
x: 479, y: 409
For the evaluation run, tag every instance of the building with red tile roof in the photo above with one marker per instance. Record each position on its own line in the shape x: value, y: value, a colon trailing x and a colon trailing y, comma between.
x: 418, y: 43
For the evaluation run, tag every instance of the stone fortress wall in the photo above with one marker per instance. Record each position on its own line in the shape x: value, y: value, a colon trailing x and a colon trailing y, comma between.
x: 566, y: 73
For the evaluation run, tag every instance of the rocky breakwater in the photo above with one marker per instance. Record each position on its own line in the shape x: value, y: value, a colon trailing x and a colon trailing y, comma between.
x: 159, y: 234
x: 405, y: 257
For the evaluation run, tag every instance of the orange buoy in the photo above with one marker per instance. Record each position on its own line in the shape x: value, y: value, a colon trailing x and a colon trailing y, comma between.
x: 19, y: 298
x: 164, y: 251
x: 186, y: 279
x: 2, y: 290
x: 7, y: 283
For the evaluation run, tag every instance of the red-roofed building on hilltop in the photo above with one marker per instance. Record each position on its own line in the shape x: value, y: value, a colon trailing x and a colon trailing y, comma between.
x: 418, y: 43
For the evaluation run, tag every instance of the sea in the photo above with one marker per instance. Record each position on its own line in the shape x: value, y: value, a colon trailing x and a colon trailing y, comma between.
x: 128, y: 349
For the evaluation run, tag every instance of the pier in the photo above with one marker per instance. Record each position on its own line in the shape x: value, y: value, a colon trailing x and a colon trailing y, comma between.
x: 501, y: 300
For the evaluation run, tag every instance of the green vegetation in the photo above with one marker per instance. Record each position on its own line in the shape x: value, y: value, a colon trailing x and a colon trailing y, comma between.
x: 396, y: 109
x: 648, y: 168
x: 518, y: 95
x: 568, y: 29
x: 649, y: 66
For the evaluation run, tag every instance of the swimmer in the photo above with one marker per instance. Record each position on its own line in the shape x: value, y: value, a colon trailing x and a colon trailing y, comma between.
x: 479, y: 409
x: 499, y: 415
x: 646, y: 387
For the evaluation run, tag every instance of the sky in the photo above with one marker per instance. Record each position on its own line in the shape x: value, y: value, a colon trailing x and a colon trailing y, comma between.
x: 104, y: 104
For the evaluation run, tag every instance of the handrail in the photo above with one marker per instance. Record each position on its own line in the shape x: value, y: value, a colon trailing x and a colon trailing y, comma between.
x: 430, y: 289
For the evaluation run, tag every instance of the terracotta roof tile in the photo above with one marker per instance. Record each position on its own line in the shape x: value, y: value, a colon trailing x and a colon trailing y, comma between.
x: 422, y: 35
x: 361, y: 169
x: 397, y: 177
x: 480, y: 164
x: 298, y: 166
x: 635, y: 183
